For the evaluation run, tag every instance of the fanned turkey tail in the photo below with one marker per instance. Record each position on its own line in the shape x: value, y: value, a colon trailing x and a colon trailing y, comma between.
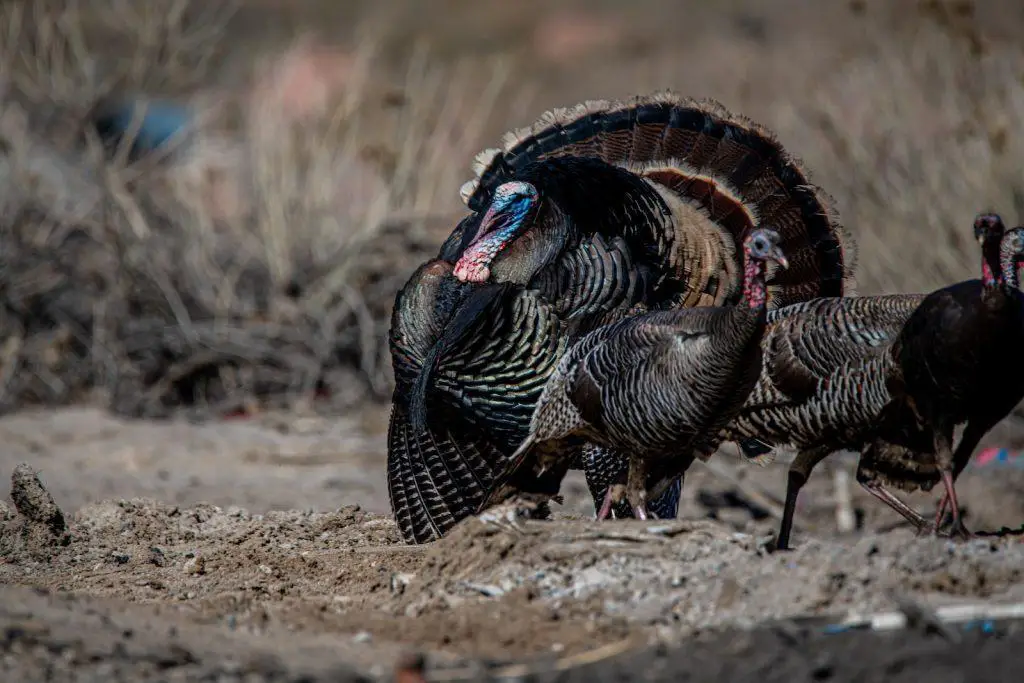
x: 722, y: 175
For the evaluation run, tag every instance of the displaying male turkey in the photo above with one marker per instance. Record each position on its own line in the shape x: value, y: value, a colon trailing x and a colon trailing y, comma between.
x: 589, y: 215
x: 658, y: 386
x: 954, y: 360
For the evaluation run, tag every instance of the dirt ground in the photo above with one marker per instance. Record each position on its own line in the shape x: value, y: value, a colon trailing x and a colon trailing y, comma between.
x: 264, y: 539
x: 261, y: 549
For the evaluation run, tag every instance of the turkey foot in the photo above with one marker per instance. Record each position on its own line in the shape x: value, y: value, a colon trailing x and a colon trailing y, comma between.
x: 636, y: 488
x: 957, y: 528
x: 613, y: 495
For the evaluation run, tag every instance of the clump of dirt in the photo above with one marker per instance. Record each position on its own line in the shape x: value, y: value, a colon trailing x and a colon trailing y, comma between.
x: 39, y: 529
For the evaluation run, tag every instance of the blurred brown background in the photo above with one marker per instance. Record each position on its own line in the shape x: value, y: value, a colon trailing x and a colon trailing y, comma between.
x: 907, y: 112
x: 334, y: 138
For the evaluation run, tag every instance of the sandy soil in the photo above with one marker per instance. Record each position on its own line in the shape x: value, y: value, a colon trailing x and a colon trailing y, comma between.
x: 139, y: 588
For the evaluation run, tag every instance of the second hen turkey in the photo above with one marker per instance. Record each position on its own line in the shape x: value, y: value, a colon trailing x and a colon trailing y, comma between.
x: 954, y: 363
x: 659, y: 387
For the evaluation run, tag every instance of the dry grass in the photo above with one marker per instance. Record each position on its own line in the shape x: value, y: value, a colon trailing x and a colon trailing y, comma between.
x: 910, y: 115
x: 257, y: 267
x: 914, y: 141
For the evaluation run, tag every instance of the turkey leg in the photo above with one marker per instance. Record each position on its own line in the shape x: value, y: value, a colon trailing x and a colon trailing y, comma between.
x: 910, y: 514
x: 636, y: 487
x: 799, y: 472
x: 944, y: 459
x: 972, y: 436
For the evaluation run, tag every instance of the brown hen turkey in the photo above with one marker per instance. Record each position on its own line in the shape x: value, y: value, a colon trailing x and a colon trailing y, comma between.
x: 822, y: 384
x: 658, y: 386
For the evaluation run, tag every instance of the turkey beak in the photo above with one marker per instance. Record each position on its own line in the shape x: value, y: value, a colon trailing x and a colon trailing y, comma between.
x: 780, y: 258
x: 486, y: 224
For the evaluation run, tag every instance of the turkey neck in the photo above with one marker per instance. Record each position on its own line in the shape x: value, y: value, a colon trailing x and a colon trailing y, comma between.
x: 991, y: 264
x: 750, y: 316
x: 998, y: 275
x: 755, y: 293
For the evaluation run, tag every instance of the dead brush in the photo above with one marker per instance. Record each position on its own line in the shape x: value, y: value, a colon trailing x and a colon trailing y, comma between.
x: 914, y: 142
x: 252, y: 264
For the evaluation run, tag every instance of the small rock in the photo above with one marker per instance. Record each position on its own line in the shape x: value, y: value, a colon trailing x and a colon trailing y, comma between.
x: 34, y: 502
x: 362, y: 637
x: 156, y: 557
x: 195, y: 565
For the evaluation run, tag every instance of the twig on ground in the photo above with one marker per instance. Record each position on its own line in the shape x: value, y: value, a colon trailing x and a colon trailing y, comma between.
x: 846, y: 520
x: 565, y: 663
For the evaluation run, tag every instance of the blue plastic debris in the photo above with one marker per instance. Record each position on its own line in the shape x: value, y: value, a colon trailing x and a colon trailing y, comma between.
x: 984, y: 625
x: 162, y: 121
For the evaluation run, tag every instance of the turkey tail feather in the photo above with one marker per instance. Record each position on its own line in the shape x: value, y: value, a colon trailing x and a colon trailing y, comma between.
x: 434, y: 479
x: 735, y: 170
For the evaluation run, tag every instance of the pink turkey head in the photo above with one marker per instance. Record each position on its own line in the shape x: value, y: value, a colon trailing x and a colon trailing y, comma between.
x: 505, y: 219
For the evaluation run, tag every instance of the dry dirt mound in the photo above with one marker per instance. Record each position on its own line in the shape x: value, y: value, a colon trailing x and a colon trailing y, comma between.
x: 290, y: 582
